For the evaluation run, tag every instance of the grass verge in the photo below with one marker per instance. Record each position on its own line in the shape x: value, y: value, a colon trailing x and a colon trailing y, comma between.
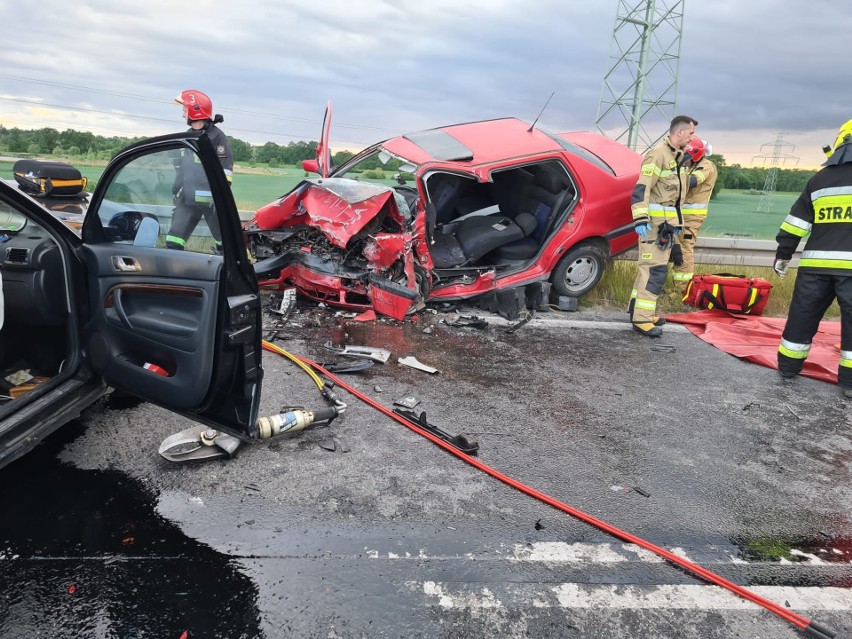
x: 615, y: 287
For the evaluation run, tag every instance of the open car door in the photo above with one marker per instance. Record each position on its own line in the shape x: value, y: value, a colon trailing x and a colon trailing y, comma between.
x: 178, y: 328
x: 323, y: 163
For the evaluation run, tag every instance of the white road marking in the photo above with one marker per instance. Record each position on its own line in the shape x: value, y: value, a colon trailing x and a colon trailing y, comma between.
x: 699, y: 597
x: 558, y: 551
x: 579, y: 554
x: 631, y: 596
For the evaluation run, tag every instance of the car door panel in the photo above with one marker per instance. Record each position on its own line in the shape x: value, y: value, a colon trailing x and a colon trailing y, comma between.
x: 179, y: 328
x: 146, y: 319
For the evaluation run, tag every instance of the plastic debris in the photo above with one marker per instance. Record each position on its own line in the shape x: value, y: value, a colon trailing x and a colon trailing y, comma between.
x: 409, y: 401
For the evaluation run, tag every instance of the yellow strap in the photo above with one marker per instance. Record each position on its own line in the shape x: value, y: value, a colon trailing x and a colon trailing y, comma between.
x: 715, y: 295
x: 752, y: 299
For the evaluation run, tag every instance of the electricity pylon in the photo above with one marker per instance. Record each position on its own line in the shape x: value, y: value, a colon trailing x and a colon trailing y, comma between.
x: 776, y: 159
x: 639, y: 90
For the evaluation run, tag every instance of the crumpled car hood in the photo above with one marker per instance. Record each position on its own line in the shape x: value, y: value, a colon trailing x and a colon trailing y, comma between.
x: 339, y: 207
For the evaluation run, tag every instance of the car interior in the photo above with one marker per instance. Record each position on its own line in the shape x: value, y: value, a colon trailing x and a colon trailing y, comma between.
x: 35, y: 333
x: 502, y: 222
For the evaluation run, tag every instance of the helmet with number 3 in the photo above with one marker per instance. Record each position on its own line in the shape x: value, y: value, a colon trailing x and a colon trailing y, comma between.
x: 197, y: 104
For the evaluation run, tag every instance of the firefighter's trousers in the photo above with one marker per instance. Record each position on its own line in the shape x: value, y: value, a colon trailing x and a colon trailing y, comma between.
x: 683, y: 274
x: 186, y: 217
x: 653, y: 263
x: 812, y: 295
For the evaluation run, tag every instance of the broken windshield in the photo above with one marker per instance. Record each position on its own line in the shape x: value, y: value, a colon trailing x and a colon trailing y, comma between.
x: 380, y: 167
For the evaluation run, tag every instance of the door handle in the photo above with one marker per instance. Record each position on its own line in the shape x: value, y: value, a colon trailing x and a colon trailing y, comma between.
x: 124, y: 264
x: 119, y: 309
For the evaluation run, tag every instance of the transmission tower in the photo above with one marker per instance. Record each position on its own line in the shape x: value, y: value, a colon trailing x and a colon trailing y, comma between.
x: 640, y: 87
x: 776, y: 159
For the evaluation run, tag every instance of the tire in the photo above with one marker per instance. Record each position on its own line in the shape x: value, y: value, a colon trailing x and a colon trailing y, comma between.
x: 579, y: 271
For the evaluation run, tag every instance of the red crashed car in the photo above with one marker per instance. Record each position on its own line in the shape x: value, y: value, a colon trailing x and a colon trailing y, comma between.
x: 447, y: 214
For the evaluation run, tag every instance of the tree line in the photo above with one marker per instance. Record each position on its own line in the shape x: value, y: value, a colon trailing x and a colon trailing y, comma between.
x: 736, y: 176
x: 82, y: 146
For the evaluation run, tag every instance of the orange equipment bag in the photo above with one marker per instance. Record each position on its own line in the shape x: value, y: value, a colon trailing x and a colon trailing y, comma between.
x: 727, y: 292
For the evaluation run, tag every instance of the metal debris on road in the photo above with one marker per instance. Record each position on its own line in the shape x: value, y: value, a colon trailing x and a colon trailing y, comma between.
x: 413, y: 362
x: 467, y: 321
x: 288, y: 303
x: 348, y: 367
x: 380, y: 355
x: 526, y: 320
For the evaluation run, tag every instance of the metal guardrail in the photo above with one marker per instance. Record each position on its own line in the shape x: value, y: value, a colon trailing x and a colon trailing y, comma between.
x: 731, y: 252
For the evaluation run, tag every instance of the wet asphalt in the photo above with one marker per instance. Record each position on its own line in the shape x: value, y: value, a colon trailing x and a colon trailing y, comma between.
x: 364, y: 529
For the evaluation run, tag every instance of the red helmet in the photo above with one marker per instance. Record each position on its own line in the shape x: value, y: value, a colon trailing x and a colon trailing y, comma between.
x: 695, y: 149
x: 197, y: 104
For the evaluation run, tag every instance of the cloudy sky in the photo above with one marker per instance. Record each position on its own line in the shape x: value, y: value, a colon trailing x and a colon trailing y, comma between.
x: 749, y: 69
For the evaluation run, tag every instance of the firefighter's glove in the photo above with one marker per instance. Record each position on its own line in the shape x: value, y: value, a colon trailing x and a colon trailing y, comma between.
x: 665, y: 236
x: 780, y: 267
x: 677, y: 255
x: 642, y: 230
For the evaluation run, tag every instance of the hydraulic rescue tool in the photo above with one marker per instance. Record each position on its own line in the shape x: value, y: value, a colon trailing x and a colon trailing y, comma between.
x: 200, y: 443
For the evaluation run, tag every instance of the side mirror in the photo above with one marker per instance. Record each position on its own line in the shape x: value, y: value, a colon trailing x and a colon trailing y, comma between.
x: 133, y: 226
x: 147, y: 233
x: 312, y: 166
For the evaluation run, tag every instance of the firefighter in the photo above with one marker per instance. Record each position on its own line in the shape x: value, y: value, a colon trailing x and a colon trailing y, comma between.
x: 193, y: 199
x: 702, y: 179
x: 656, y: 202
x: 823, y: 215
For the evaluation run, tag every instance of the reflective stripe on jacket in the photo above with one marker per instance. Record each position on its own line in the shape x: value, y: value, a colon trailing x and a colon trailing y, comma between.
x: 698, y: 196
x: 823, y: 215
x: 662, y: 182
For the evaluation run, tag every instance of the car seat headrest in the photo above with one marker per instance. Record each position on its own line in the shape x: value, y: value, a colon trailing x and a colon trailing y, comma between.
x: 550, y: 181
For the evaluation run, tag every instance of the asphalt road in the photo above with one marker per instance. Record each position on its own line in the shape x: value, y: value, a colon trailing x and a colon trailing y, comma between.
x: 364, y: 529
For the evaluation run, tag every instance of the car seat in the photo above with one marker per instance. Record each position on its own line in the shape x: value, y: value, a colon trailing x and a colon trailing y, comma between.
x: 544, y: 199
x: 478, y: 236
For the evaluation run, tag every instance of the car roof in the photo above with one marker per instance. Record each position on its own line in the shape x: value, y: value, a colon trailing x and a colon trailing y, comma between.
x: 473, y: 143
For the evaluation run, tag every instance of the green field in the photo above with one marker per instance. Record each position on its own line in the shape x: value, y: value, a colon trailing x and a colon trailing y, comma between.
x: 251, y: 189
x: 732, y: 213
x: 735, y: 213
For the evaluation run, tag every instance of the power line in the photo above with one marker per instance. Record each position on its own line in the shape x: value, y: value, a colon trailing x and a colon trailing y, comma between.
x: 155, y: 119
x: 272, y: 116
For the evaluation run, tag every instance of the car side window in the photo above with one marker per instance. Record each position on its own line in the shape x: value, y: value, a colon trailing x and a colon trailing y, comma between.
x: 162, y: 200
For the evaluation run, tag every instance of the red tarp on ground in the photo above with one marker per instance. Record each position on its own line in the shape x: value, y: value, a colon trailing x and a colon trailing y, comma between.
x: 756, y: 339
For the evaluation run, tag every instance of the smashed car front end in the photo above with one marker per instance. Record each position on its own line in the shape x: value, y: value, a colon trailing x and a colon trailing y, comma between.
x: 340, y: 241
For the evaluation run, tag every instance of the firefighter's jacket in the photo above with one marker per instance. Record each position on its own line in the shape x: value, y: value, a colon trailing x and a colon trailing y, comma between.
x: 191, y: 185
x: 698, y: 196
x: 823, y: 215
x: 661, y: 186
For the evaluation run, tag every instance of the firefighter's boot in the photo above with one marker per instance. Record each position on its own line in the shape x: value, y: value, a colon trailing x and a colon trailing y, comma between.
x: 658, y: 321
x: 648, y: 329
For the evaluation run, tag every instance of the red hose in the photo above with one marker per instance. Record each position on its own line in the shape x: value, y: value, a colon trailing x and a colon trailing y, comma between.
x: 812, y: 628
